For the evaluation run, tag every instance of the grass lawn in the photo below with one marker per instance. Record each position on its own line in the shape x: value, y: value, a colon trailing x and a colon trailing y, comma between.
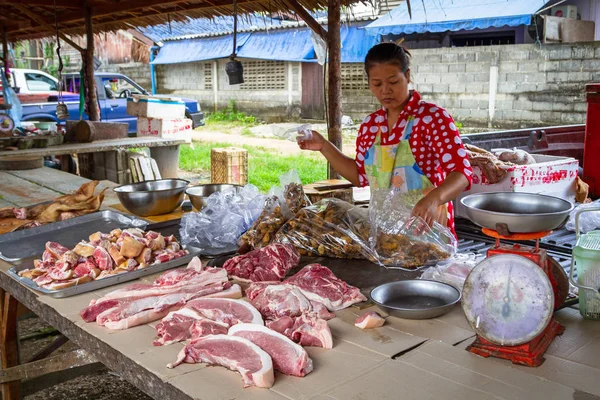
x: 265, y: 165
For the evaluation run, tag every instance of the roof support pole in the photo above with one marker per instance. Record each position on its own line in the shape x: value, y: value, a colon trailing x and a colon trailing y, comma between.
x: 334, y: 71
x: 5, y: 61
x: 92, y: 98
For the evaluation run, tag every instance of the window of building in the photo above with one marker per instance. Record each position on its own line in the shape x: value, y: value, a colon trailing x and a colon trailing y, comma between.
x: 264, y: 75
x: 482, y: 39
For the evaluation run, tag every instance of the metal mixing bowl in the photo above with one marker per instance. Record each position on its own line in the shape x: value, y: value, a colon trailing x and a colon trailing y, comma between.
x: 521, y: 212
x: 415, y: 299
x: 152, y: 197
x: 199, y: 194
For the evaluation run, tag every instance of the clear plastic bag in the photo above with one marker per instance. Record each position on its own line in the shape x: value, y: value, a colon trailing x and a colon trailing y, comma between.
x: 295, y: 134
x: 331, y: 228
x: 453, y: 271
x: 401, y: 241
x: 587, y: 224
x: 221, y: 223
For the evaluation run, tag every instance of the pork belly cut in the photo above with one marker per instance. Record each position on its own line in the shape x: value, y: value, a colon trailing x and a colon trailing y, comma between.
x: 270, y: 263
x: 318, y: 283
x: 288, y: 357
x: 232, y: 352
x: 233, y: 292
x: 306, y: 330
x: 369, y: 320
x: 276, y: 301
x: 228, y: 311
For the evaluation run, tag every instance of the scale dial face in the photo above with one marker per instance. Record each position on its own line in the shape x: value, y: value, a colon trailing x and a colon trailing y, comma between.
x: 508, y: 299
x: 7, y: 125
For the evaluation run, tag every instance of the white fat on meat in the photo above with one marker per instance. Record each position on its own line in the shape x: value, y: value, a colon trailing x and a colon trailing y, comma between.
x: 306, y: 330
x: 232, y: 352
x: 319, y: 284
x: 233, y: 292
x: 288, y: 357
x: 369, y: 320
x: 228, y: 311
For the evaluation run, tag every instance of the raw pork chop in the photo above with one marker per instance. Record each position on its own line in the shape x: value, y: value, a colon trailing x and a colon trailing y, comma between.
x: 270, y: 263
x: 276, y: 301
x: 318, y: 283
x: 192, y: 321
x: 306, y: 330
x: 235, y: 353
x: 369, y: 320
x: 287, y: 356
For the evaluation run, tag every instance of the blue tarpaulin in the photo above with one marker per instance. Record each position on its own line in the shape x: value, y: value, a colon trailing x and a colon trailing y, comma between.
x: 455, y: 15
x: 189, y: 50
x: 280, y: 45
x: 356, y: 43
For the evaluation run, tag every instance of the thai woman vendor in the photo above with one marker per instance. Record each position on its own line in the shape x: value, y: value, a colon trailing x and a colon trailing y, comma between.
x: 408, y: 145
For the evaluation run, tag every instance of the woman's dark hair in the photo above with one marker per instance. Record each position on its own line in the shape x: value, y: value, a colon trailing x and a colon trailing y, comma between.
x: 388, y: 53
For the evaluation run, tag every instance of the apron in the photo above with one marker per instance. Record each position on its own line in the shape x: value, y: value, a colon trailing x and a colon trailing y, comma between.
x: 393, y: 168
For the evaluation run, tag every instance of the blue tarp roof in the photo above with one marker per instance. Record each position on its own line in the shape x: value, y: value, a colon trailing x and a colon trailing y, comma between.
x: 455, y: 15
x: 189, y: 50
x: 281, y: 45
x: 356, y: 43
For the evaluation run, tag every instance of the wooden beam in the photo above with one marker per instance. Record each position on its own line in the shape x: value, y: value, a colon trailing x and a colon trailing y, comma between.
x: 91, y: 98
x: 49, y: 3
x: 306, y: 17
x: 334, y: 90
x: 75, y: 358
x: 9, y: 352
x: 72, y: 43
x: 4, y: 61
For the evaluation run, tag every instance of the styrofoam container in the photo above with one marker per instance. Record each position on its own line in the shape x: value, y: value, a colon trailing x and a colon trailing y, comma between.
x: 550, y: 175
x: 156, y: 107
x: 179, y: 128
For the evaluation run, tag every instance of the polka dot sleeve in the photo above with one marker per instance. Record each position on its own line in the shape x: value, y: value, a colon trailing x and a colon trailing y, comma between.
x: 449, y: 146
x: 361, y: 150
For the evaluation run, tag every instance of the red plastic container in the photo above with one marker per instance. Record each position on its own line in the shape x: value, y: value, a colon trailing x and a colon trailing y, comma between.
x: 591, y: 149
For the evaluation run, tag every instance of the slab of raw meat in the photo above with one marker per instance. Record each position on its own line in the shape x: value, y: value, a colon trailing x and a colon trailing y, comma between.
x: 287, y: 356
x: 233, y: 292
x: 318, y: 283
x: 306, y: 330
x: 369, y: 320
x: 276, y: 301
x: 270, y: 263
x: 236, y: 353
x: 180, y: 325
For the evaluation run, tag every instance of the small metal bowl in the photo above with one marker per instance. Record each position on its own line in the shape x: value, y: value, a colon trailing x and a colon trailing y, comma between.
x: 152, y: 197
x: 199, y: 194
x: 415, y: 299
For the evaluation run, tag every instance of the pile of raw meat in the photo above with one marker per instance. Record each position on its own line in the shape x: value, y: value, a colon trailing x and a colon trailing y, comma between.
x: 102, y: 256
x: 269, y: 263
x: 68, y: 206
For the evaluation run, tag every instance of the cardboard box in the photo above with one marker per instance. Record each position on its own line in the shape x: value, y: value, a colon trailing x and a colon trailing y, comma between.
x: 156, y: 107
x: 550, y: 175
x: 180, y: 128
x: 229, y: 165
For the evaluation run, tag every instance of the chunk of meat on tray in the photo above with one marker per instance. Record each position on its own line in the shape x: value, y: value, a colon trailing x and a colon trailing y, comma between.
x: 369, y: 320
x: 232, y: 352
x: 270, y: 263
x: 305, y: 330
x: 275, y: 301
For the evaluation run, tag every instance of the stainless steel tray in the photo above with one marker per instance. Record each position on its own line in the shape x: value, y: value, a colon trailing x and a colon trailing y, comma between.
x: 100, y: 283
x: 19, y: 245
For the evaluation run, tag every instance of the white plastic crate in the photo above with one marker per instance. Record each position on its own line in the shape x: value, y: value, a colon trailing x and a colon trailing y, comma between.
x: 156, y: 107
x: 550, y: 175
x: 180, y: 128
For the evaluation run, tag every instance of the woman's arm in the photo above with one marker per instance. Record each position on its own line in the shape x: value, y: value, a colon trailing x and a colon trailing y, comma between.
x: 427, y: 207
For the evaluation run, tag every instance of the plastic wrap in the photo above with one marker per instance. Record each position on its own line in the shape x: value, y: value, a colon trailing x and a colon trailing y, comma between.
x: 402, y: 241
x: 221, y: 223
x: 331, y: 228
x: 587, y: 224
x: 453, y: 271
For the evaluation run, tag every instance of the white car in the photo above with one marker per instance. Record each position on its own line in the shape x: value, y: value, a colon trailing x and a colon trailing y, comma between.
x: 33, y: 81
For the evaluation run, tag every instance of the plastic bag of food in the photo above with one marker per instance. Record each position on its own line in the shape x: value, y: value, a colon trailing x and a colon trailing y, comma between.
x: 454, y: 270
x: 331, y: 228
x: 588, y: 222
x: 221, y: 223
x: 402, y: 241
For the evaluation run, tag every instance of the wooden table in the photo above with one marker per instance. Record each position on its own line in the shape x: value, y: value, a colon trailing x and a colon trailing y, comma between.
x: 404, y: 359
x: 164, y: 151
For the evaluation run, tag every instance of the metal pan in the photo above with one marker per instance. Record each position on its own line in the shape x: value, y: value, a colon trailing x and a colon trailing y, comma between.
x: 510, y: 212
x: 100, y: 283
x: 19, y: 245
x: 415, y: 299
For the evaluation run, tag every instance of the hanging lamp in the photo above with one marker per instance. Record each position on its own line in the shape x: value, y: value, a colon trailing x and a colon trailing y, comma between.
x: 234, y: 68
x: 62, y: 112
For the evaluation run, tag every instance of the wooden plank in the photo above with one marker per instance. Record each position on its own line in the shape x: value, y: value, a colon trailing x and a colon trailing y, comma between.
x: 4, y: 203
x: 9, y: 342
x: 23, y: 193
x: 334, y: 70
x: 72, y: 359
x: 94, y: 147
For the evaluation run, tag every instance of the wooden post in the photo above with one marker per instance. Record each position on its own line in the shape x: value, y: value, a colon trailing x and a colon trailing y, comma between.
x: 9, y: 353
x: 335, y: 78
x: 92, y: 99
x: 5, y: 61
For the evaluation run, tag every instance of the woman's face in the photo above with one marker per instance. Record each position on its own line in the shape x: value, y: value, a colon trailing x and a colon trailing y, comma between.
x: 389, y: 84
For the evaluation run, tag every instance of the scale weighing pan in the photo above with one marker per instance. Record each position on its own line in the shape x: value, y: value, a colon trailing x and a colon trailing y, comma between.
x: 415, y: 299
x: 512, y: 212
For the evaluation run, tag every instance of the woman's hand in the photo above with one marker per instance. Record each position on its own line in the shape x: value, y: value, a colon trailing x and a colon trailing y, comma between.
x: 428, y: 208
x: 316, y: 143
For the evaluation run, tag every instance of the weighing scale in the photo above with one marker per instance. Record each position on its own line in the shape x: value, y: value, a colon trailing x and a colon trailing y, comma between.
x: 509, y: 299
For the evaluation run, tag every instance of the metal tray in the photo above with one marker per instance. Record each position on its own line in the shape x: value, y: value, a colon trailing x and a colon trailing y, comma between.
x: 100, y: 283
x: 19, y: 245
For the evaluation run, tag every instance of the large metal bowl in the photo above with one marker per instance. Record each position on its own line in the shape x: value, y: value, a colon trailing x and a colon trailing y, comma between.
x: 152, y: 197
x: 199, y: 194
x: 520, y: 212
x: 415, y: 299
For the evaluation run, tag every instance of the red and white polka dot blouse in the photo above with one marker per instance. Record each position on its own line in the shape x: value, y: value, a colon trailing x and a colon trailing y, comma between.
x: 434, y: 141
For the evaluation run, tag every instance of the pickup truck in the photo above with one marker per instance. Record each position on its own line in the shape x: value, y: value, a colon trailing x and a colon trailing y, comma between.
x: 112, y: 89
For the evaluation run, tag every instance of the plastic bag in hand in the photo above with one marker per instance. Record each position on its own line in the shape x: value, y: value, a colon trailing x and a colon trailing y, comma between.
x: 588, y: 222
x: 454, y: 270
